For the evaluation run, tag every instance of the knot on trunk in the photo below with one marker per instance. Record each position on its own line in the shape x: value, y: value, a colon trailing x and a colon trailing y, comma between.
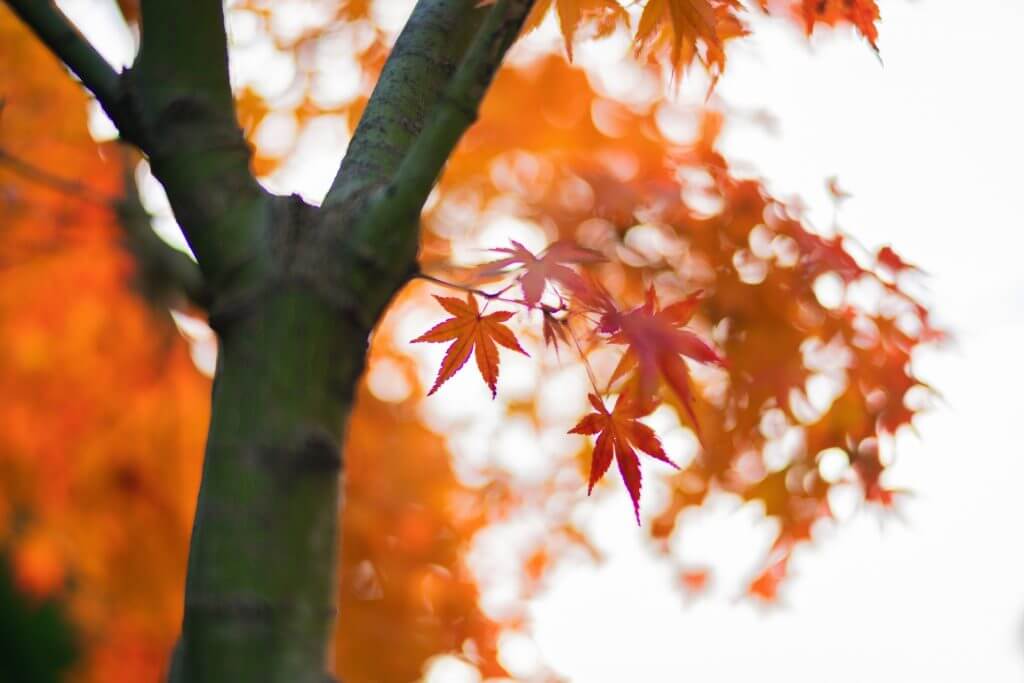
x: 310, y: 451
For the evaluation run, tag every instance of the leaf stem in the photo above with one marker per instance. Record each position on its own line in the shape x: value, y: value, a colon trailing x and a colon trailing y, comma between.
x: 583, y: 359
x: 489, y: 296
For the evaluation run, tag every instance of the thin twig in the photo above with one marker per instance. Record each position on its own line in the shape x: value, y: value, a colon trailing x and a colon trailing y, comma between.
x: 495, y: 296
x: 583, y: 359
x: 40, y: 176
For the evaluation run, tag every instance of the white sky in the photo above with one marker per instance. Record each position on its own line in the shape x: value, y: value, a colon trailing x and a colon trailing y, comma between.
x: 930, y: 145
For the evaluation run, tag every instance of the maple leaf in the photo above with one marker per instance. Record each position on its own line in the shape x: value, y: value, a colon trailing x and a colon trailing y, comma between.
x: 682, y: 23
x: 554, y: 331
x: 539, y: 270
x: 861, y: 13
x: 656, y: 346
x: 606, y: 14
x: 620, y: 435
x: 821, y: 254
x: 471, y: 333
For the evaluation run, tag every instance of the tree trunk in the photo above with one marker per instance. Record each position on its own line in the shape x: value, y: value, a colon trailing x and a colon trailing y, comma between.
x: 259, y: 598
x: 293, y: 293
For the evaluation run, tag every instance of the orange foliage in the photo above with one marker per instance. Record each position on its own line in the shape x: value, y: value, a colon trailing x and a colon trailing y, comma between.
x: 99, y: 446
x: 404, y: 584
x: 100, y: 454
x: 605, y: 176
x: 683, y: 31
x: 863, y: 14
x: 38, y: 568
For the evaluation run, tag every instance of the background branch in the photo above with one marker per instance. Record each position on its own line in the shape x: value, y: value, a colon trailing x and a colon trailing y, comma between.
x: 40, y: 176
x: 182, y: 94
x: 176, y: 105
x: 65, y: 41
x: 165, y: 275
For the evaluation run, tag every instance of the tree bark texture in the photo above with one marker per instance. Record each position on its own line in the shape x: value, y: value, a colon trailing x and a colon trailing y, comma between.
x: 293, y: 292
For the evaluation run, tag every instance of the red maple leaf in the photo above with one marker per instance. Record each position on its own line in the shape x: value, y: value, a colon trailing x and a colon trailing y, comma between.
x: 549, y: 266
x: 554, y: 330
x: 470, y: 332
x: 620, y: 435
x: 589, y: 295
x: 820, y: 254
x: 657, y: 345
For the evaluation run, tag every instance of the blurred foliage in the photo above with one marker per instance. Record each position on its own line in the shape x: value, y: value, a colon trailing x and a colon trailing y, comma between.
x: 100, y: 453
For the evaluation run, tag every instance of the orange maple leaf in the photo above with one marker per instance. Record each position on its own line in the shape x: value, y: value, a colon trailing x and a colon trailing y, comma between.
x: 835, y: 191
x: 539, y: 270
x: 470, y: 331
x: 863, y: 14
x: 605, y: 14
x: 620, y: 435
x: 682, y: 23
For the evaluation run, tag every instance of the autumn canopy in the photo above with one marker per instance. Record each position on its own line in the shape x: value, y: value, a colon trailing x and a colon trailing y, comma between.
x: 692, y: 328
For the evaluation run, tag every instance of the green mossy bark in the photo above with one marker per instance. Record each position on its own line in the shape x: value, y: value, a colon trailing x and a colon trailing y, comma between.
x: 260, y: 594
x: 424, y: 57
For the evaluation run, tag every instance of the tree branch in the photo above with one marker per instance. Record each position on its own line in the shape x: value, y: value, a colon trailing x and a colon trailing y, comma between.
x: 180, y: 89
x: 184, y: 54
x: 455, y: 111
x: 43, y: 177
x: 165, y: 274
x: 421, y: 62
x: 385, y: 238
x: 175, y: 104
x: 68, y: 44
